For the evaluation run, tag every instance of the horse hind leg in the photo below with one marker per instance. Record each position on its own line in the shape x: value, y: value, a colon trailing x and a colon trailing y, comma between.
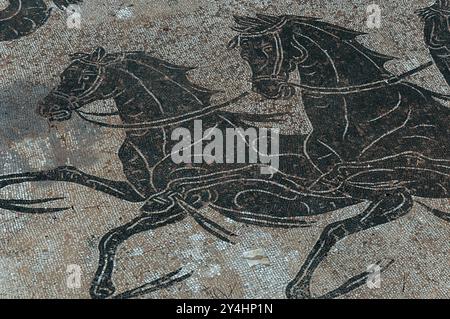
x: 384, y: 210
x: 163, y: 214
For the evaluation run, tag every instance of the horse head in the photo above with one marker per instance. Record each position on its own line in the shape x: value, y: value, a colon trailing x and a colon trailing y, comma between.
x: 262, y: 41
x: 144, y: 88
x: 82, y: 82
x: 324, y: 54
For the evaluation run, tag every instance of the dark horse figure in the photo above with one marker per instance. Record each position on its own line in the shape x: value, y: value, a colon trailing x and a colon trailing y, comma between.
x: 376, y: 139
x: 154, y: 97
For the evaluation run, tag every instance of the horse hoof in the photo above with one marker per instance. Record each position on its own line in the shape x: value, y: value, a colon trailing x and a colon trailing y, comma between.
x: 102, y: 292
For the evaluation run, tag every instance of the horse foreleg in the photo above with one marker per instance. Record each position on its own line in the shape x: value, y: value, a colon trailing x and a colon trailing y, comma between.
x: 119, y: 189
x: 382, y: 211
x: 436, y: 212
x: 102, y: 285
x: 16, y: 205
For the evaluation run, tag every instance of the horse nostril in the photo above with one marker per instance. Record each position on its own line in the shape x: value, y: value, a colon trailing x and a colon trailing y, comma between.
x: 41, y: 110
x: 53, y: 109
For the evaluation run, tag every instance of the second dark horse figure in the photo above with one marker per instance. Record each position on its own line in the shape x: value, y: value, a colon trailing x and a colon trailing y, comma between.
x: 374, y: 140
x: 437, y: 34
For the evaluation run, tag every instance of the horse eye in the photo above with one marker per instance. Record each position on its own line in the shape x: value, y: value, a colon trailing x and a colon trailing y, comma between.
x: 86, y: 77
x: 268, y: 49
x: 245, y: 43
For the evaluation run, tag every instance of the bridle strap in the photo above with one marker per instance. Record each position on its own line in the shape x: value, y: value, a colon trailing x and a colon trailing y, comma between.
x: 356, y: 88
x: 440, y: 10
x: 98, y: 81
x: 74, y: 100
x: 372, y: 86
x: 214, y: 108
x: 280, y: 56
x: 101, y: 114
x: 337, y: 90
x: 165, y: 122
x: 360, y: 88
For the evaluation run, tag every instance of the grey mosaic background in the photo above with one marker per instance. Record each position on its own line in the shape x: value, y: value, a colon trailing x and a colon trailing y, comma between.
x: 36, y: 250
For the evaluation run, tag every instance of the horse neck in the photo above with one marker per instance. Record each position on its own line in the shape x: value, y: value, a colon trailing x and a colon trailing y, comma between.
x: 334, y: 62
x: 134, y: 101
x: 136, y: 104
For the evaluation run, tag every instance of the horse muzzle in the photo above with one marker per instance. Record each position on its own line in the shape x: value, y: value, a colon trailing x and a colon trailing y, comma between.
x: 56, y: 107
x: 273, y: 89
x: 56, y: 115
x: 54, y: 112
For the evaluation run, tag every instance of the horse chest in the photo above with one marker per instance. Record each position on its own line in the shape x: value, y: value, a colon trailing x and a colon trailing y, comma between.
x: 140, y: 152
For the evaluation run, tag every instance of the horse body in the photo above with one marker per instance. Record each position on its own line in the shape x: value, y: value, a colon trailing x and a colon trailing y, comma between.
x: 400, y: 121
x: 375, y: 136
x: 364, y: 124
x: 146, y: 89
x: 137, y: 77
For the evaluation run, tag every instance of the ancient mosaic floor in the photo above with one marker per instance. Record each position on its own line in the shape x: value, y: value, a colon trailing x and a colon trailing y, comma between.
x: 46, y: 254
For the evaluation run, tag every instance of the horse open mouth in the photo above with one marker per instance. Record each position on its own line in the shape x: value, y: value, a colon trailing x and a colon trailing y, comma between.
x: 274, y: 90
x: 60, y: 116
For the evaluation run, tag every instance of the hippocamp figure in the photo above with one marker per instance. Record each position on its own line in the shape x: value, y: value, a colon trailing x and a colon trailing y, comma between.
x: 23, y: 17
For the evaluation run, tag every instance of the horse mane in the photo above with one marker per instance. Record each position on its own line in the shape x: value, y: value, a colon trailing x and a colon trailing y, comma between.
x: 172, y: 72
x: 177, y: 73
x: 261, y: 24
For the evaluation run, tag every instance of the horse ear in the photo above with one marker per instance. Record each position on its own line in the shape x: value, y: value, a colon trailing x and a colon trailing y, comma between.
x: 98, y: 54
x: 78, y: 55
x: 268, y: 18
x: 245, y: 21
x: 233, y: 43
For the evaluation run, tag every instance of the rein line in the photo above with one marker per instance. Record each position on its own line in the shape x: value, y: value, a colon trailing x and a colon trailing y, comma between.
x: 371, y: 86
x: 213, y: 108
x: 163, y: 122
x: 363, y: 87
